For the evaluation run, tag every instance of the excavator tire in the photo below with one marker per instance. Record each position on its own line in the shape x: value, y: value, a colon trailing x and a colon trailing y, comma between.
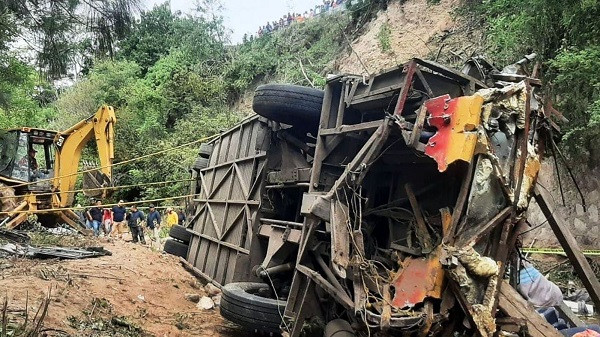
x: 289, y: 104
x: 8, y: 198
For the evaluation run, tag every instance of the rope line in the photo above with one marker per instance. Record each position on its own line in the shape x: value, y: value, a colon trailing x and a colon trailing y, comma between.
x: 54, y: 210
x: 201, y: 140
x: 102, y: 188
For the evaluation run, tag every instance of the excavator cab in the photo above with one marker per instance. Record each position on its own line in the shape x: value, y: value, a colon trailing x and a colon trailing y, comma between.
x: 39, y: 169
x: 27, y: 155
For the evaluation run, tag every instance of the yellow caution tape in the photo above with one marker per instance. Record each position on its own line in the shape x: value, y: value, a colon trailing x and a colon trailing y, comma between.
x: 558, y: 251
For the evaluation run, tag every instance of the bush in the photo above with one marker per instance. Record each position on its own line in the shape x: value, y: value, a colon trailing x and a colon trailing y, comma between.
x: 299, y: 54
x: 566, y: 36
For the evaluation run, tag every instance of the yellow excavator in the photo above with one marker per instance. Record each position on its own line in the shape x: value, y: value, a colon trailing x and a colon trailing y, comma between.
x: 39, y: 169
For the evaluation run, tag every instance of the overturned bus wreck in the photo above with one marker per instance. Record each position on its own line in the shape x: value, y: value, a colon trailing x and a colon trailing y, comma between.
x: 381, y: 206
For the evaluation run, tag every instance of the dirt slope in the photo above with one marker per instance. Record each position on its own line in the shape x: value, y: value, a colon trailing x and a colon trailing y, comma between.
x: 140, y: 285
x: 417, y: 29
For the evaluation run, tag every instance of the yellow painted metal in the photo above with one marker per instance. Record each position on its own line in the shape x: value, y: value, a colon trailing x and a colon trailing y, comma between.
x: 69, y: 145
x: 465, y: 121
x: 456, y: 121
x: 101, y: 127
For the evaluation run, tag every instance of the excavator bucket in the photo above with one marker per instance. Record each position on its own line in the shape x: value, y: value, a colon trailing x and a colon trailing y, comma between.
x: 95, y: 183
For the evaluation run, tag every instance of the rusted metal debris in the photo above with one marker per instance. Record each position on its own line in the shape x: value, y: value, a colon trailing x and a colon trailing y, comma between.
x: 400, y: 215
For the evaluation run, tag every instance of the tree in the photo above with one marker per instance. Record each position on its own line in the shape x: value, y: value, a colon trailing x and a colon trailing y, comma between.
x: 151, y: 38
x: 53, y: 28
x: 24, y: 98
x: 159, y: 31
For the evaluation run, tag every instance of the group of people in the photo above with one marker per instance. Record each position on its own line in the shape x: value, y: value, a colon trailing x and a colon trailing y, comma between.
x: 117, y: 220
x: 287, y: 20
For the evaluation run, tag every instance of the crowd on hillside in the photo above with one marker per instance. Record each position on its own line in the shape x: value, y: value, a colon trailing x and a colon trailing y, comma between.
x: 287, y: 20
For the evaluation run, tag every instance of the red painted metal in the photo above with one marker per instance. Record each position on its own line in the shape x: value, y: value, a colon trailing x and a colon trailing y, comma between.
x: 410, y: 69
x: 418, y: 279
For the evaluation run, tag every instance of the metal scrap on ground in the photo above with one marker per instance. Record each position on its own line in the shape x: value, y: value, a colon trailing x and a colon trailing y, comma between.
x: 29, y: 251
x: 18, y: 244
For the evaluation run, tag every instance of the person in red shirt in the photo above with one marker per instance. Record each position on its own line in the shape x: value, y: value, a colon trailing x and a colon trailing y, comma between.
x: 107, y: 221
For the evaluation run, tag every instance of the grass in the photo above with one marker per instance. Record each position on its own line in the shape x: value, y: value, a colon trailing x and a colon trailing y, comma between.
x: 384, y: 38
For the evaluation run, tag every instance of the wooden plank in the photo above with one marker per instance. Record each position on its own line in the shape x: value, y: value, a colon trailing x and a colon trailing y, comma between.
x: 368, y: 96
x: 505, y: 247
x: 569, y: 316
x: 198, y: 273
x: 320, y: 148
x: 340, y: 238
x: 446, y: 220
x: 420, y: 226
x: 341, y: 297
x: 366, y: 126
x: 457, y: 76
x: 523, y: 147
x: 342, y: 105
x: 415, y: 135
x: 570, y: 245
x: 474, y: 234
x: 424, y: 82
x: 459, y: 207
x: 512, y: 304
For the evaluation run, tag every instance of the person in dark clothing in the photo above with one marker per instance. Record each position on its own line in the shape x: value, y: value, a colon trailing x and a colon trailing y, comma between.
x: 134, y: 219
x: 153, y: 223
x: 181, y: 217
x: 94, y: 215
x: 118, y: 218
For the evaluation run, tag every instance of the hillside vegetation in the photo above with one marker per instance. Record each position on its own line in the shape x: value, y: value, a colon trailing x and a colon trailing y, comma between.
x: 174, y: 78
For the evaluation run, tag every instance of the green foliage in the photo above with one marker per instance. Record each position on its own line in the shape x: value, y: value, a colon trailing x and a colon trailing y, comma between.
x: 384, y: 37
x: 577, y: 74
x: 151, y: 38
x: 566, y: 36
x: 108, y: 83
x: 173, y: 165
x: 159, y: 31
x: 576, y: 78
x: 24, y: 98
x: 299, y: 54
x: 53, y: 29
x: 361, y: 11
x: 173, y: 81
x: 175, y: 96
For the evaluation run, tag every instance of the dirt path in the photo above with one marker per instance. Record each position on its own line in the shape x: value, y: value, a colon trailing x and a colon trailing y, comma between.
x: 136, y: 284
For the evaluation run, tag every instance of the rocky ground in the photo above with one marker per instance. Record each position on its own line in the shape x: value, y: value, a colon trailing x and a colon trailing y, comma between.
x: 137, y: 291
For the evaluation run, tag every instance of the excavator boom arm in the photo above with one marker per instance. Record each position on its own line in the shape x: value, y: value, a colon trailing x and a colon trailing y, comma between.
x: 70, y: 144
